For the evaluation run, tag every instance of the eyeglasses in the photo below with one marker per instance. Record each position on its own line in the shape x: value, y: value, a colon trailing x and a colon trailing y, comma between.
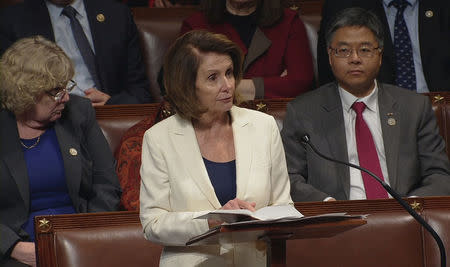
x: 363, y: 51
x: 62, y: 91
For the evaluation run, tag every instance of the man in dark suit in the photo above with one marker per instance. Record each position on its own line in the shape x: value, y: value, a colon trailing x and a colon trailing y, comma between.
x: 119, y: 76
x: 387, y: 129
x: 428, y: 22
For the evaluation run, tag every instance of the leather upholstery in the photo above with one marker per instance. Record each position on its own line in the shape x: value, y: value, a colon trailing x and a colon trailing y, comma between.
x: 391, y: 237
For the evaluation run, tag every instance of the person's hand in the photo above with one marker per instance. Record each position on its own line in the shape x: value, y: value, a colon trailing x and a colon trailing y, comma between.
x: 246, y: 89
x: 284, y: 73
x: 329, y: 199
x: 98, y: 98
x: 234, y: 204
x: 25, y: 252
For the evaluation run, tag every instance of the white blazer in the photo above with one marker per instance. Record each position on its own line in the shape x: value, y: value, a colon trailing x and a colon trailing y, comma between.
x: 175, y: 186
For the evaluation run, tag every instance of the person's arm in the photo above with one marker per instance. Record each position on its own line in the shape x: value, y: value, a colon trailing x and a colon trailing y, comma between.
x: 297, y: 158
x: 9, y: 240
x: 299, y: 73
x: 280, y: 194
x: 25, y: 252
x: 160, y: 223
x: 137, y: 85
x: 105, y: 183
x: 434, y: 163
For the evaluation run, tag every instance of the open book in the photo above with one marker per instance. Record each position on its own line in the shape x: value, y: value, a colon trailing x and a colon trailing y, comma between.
x: 269, y: 213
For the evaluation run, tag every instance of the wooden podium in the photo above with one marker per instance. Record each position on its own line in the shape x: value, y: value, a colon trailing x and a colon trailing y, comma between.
x: 276, y: 234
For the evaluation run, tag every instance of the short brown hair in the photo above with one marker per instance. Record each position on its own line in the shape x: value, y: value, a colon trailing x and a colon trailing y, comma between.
x: 268, y: 12
x: 181, y: 65
x: 30, y: 67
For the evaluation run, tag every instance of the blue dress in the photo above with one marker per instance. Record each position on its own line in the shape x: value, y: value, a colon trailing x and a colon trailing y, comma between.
x: 47, y: 180
x: 223, y: 179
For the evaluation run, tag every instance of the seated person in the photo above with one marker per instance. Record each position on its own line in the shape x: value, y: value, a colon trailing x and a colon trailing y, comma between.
x: 209, y: 155
x: 416, y: 52
x: 128, y: 155
x: 99, y: 36
x: 172, y: 3
x: 162, y: 3
x: 389, y: 130
x: 54, y: 158
x: 278, y: 60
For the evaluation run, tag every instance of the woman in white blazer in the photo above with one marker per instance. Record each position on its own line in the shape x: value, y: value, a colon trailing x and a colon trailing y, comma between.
x: 210, y: 155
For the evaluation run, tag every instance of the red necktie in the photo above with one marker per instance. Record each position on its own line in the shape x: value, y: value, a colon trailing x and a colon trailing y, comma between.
x: 367, y: 154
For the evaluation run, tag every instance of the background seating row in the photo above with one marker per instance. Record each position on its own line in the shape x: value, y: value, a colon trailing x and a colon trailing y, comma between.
x: 391, y: 237
x: 116, y: 119
x: 158, y: 28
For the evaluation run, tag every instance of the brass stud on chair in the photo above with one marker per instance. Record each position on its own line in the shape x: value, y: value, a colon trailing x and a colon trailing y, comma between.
x: 261, y: 107
x: 437, y: 98
x: 416, y: 206
x: 44, y: 225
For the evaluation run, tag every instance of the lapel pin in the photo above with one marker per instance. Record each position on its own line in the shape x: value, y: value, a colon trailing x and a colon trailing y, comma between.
x: 73, y: 151
x: 100, y: 17
x: 391, y: 121
x: 429, y: 13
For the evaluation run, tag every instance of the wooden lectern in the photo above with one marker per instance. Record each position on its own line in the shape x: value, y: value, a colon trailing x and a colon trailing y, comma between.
x: 275, y: 234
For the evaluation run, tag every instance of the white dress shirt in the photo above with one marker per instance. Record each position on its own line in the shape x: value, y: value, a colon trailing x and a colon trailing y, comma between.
x: 411, y: 16
x: 372, y: 118
x: 64, y: 39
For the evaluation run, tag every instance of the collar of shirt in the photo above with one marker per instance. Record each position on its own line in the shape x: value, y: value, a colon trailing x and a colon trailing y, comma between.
x: 55, y: 11
x: 412, y: 2
x: 348, y: 99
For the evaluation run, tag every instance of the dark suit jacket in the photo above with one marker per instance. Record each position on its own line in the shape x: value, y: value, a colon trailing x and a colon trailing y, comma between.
x: 116, y: 42
x: 283, y: 46
x: 90, y: 174
x: 434, y: 39
x: 415, y: 152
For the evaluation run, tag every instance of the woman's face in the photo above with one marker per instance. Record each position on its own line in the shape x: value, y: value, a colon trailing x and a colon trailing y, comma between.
x: 46, y: 109
x: 241, y: 7
x: 215, y: 82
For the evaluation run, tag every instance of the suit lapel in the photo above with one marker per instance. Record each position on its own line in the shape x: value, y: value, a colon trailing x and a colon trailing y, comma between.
x: 388, y: 50
x: 426, y: 26
x: 186, y: 146
x: 71, y: 153
x: 99, y: 34
x: 334, y: 128
x: 92, y: 10
x: 39, y: 20
x: 12, y: 155
x: 259, y: 44
x: 390, y: 126
x: 243, y: 149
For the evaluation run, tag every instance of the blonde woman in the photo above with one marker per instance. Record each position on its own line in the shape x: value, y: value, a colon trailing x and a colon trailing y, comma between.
x: 54, y: 158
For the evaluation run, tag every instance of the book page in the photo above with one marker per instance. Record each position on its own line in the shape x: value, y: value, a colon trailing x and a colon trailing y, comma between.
x: 266, y: 214
x: 277, y: 213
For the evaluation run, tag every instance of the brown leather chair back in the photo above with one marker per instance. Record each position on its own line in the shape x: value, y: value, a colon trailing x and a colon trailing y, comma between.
x: 158, y: 28
x: 113, y: 239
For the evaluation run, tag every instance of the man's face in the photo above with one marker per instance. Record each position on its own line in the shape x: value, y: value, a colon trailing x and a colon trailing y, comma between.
x: 355, y: 73
x: 61, y: 2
